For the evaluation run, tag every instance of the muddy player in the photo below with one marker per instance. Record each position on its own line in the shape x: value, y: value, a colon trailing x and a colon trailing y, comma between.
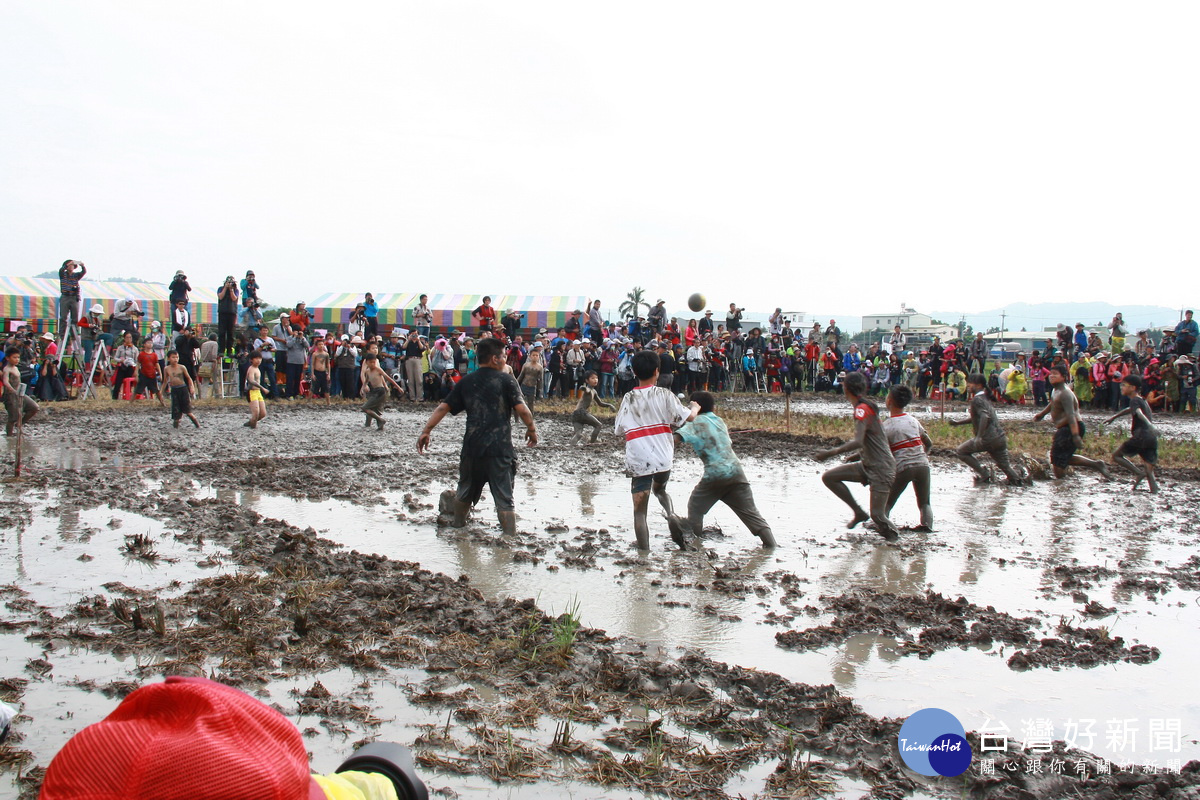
x: 255, y: 391
x: 1143, y: 439
x: 581, y: 417
x: 646, y: 417
x: 177, y: 378
x: 723, y: 479
x: 910, y: 448
x: 14, y: 402
x: 490, y: 397
x: 375, y: 389
x: 318, y: 371
x: 989, y: 436
x: 876, y: 467
x: 1069, y: 433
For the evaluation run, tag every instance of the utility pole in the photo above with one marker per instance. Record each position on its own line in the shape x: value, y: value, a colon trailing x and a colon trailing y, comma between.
x: 1003, y: 314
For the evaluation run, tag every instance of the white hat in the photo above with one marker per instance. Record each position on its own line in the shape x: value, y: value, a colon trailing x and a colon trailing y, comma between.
x: 48, y: 336
x: 97, y: 309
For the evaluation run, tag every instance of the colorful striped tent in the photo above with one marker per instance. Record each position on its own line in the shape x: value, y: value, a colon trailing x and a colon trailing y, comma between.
x: 33, y: 299
x: 449, y: 310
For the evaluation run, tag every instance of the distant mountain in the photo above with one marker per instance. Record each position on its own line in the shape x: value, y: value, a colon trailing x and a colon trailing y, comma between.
x: 1035, y: 316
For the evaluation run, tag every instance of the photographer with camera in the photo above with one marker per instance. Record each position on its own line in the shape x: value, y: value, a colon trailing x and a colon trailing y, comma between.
x: 69, y: 303
x: 370, y: 317
x: 227, y: 309
x: 512, y: 322
x: 179, y: 289
x: 251, y: 304
x: 126, y: 314
x: 656, y: 318
x: 733, y: 319
x: 300, y: 317
x: 422, y: 316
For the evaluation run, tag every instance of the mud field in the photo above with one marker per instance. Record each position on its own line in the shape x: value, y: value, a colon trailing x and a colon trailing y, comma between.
x: 304, y: 562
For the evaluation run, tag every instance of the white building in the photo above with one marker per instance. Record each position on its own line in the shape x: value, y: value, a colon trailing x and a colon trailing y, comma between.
x: 906, y: 318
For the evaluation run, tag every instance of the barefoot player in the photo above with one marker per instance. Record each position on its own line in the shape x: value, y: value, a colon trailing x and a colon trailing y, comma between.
x: 255, y: 390
x: 910, y: 447
x: 177, y: 378
x: 14, y: 402
x: 1143, y: 438
x: 989, y: 436
x: 375, y: 381
x: 1069, y: 430
x: 876, y: 468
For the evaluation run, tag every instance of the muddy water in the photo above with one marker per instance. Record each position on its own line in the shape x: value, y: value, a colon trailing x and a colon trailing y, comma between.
x: 992, y: 546
x: 1175, y: 426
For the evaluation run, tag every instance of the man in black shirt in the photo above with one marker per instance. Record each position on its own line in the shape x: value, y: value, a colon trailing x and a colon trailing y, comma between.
x: 186, y: 345
x: 490, y: 397
x: 227, y: 309
x: 935, y: 361
x: 666, y: 365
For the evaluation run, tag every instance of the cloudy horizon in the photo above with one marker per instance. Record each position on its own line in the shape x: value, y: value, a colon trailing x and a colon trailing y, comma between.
x: 819, y: 157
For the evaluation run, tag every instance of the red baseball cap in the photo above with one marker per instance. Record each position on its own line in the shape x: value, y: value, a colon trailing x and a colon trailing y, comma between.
x: 185, y: 739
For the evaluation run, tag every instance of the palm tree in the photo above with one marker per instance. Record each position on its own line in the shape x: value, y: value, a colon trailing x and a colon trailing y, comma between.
x: 632, y: 306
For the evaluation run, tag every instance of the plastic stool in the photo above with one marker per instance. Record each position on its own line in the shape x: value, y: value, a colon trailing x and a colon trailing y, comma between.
x: 127, y: 388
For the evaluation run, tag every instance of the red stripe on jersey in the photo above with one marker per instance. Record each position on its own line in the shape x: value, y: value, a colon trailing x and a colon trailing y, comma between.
x: 648, y: 430
x: 907, y: 443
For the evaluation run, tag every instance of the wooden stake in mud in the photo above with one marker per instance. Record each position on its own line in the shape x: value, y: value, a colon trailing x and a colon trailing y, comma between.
x: 943, y: 403
x: 787, y: 410
x: 20, y: 427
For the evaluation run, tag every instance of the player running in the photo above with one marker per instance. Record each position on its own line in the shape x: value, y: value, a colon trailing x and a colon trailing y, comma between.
x: 989, y: 436
x: 1143, y: 438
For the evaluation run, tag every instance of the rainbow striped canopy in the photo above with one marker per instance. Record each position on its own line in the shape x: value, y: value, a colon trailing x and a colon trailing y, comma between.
x: 32, y: 299
x: 449, y: 310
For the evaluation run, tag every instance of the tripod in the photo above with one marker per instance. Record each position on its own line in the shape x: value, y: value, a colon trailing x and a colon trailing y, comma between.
x: 101, y: 361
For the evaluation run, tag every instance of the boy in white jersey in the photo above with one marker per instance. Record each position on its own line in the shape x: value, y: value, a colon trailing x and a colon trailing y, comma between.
x: 910, y: 447
x: 646, y: 419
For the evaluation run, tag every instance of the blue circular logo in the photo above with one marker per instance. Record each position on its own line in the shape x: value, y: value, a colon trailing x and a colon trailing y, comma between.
x: 933, y: 742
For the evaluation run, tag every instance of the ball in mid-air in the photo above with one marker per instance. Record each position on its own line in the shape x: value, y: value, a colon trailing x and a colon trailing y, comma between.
x: 696, y: 302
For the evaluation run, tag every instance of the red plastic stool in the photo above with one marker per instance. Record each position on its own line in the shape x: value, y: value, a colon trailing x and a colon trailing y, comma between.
x: 127, y: 388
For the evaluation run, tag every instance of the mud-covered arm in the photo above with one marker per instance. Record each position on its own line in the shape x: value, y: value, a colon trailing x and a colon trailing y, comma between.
x: 860, y: 433
x: 437, y: 416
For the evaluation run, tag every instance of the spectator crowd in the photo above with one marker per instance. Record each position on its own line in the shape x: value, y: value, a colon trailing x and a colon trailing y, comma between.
x: 703, y: 353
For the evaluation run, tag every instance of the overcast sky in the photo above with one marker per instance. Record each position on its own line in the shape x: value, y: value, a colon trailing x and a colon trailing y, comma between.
x: 819, y: 156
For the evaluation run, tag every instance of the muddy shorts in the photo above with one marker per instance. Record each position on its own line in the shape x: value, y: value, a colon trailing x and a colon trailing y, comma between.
x: 1064, y: 445
x: 496, y: 471
x: 1144, y: 446
x: 181, y: 401
x: 875, y: 477
x: 375, y: 398
x: 646, y: 483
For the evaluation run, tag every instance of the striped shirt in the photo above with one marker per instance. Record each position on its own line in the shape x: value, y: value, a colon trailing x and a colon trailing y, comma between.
x: 645, y: 419
x: 904, y: 437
